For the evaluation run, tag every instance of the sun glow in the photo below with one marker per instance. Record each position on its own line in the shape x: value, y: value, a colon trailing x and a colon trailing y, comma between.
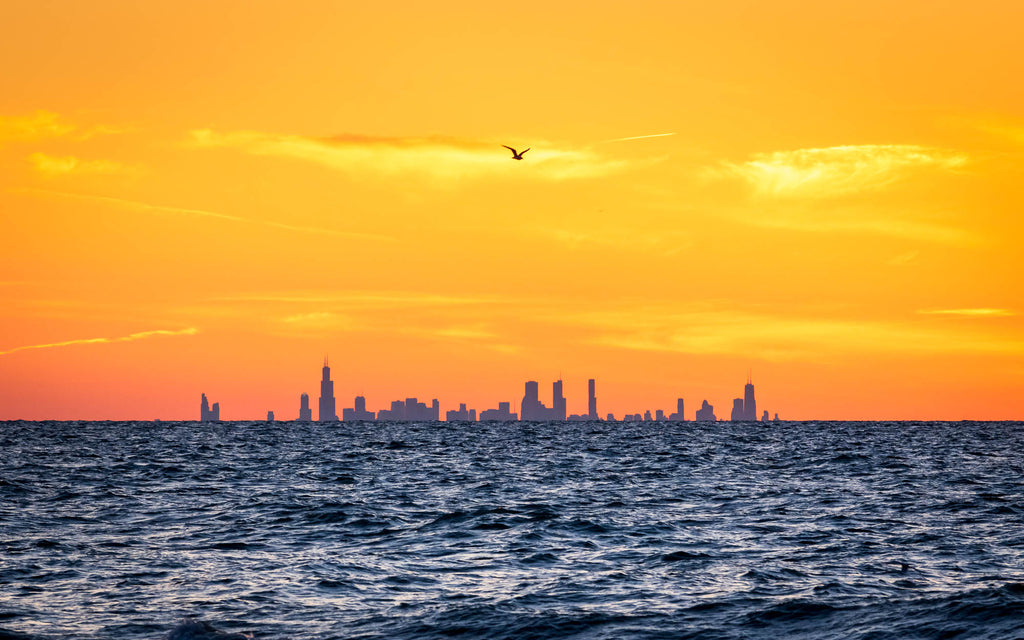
x: 810, y: 191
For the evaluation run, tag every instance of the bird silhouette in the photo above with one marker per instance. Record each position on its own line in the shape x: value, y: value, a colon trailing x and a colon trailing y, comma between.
x: 516, y: 155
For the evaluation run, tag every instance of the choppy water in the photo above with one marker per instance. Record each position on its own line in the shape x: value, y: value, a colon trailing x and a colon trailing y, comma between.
x: 585, y: 530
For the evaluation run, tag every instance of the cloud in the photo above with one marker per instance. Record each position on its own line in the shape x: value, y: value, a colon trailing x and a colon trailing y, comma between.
x: 836, y: 171
x: 191, y: 331
x: 363, y: 299
x: 45, y: 124
x: 971, y: 313
x: 70, y: 164
x: 438, y: 158
x: 143, y: 207
x: 650, y: 135
x: 776, y: 337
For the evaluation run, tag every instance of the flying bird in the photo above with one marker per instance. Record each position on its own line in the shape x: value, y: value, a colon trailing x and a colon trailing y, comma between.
x: 516, y: 155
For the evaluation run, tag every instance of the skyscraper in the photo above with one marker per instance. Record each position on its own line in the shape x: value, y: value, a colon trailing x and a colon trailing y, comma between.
x: 208, y: 413
x: 327, y: 413
x: 749, y: 404
x: 305, y: 413
x: 557, y: 401
x: 591, y: 400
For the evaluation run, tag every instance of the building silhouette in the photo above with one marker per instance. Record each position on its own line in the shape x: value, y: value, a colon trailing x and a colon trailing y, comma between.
x: 592, y: 399
x: 207, y: 413
x: 738, y: 414
x: 305, y: 413
x: 410, y: 409
x: 678, y: 415
x: 502, y: 414
x: 462, y: 415
x: 358, y: 412
x: 749, y: 404
x: 533, y: 410
x: 327, y: 411
x: 706, y: 413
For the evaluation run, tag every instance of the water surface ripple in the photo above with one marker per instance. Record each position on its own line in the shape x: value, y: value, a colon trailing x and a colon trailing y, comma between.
x: 591, y: 530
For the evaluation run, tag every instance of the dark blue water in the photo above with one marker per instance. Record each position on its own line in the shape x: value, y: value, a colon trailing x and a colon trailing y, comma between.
x: 583, y: 530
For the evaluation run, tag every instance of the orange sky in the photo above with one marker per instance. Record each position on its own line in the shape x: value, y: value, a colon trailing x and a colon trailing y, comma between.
x: 209, y: 196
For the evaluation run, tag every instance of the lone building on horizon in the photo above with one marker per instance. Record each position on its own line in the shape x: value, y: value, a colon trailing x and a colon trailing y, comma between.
x: 305, y: 413
x: 208, y: 414
x: 327, y: 411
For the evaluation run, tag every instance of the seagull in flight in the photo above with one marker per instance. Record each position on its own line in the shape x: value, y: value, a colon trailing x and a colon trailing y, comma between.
x: 516, y: 155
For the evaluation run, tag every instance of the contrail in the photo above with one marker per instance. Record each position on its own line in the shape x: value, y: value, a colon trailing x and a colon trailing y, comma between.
x: 653, y: 135
x: 191, y: 331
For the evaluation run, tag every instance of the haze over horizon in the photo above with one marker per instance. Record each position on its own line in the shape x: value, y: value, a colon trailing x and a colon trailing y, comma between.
x: 207, y: 197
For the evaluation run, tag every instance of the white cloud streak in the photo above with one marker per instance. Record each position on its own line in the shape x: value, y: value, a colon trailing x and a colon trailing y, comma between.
x: 441, y: 159
x: 836, y: 171
x: 128, y: 338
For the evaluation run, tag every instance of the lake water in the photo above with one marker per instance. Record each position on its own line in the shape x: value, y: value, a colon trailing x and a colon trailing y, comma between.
x: 578, y: 530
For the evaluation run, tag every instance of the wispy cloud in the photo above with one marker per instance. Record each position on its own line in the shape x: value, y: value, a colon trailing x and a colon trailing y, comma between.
x: 45, y: 124
x: 776, y: 337
x: 650, y: 135
x: 143, y: 207
x: 54, y: 165
x: 879, y: 221
x: 439, y: 158
x: 836, y: 171
x: 983, y: 312
x: 369, y: 299
x: 128, y: 338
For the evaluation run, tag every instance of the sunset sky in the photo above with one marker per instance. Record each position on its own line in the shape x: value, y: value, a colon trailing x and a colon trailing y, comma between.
x: 203, y: 196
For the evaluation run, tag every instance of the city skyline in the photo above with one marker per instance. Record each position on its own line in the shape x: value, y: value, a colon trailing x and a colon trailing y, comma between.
x: 532, y: 408
x: 826, y: 193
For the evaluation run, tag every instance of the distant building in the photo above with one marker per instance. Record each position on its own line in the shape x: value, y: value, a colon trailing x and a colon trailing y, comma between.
x: 611, y: 417
x: 305, y: 413
x: 764, y: 418
x: 358, y: 413
x: 270, y: 416
x: 776, y: 418
x: 502, y: 414
x: 462, y: 415
x: 659, y: 415
x: 678, y: 415
x: 647, y: 415
x: 533, y: 409
x: 749, y: 404
x: 206, y: 413
x: 557, y: 401
x: 409, y: 410
x: 327, y: 411
x: 706, y: 413
x: 738, y: 415
x: 592, y: 400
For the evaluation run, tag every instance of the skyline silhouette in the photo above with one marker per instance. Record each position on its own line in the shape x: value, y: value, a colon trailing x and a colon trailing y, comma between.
x: 532, y: 408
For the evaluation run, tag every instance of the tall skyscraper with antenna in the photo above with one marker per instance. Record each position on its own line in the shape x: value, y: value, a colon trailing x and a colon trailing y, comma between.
x: 327, y: 411
x: 749, y: 404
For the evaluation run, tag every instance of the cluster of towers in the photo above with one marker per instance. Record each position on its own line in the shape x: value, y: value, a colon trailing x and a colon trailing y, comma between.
x: 208, y: 414
x: 531, y: 408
